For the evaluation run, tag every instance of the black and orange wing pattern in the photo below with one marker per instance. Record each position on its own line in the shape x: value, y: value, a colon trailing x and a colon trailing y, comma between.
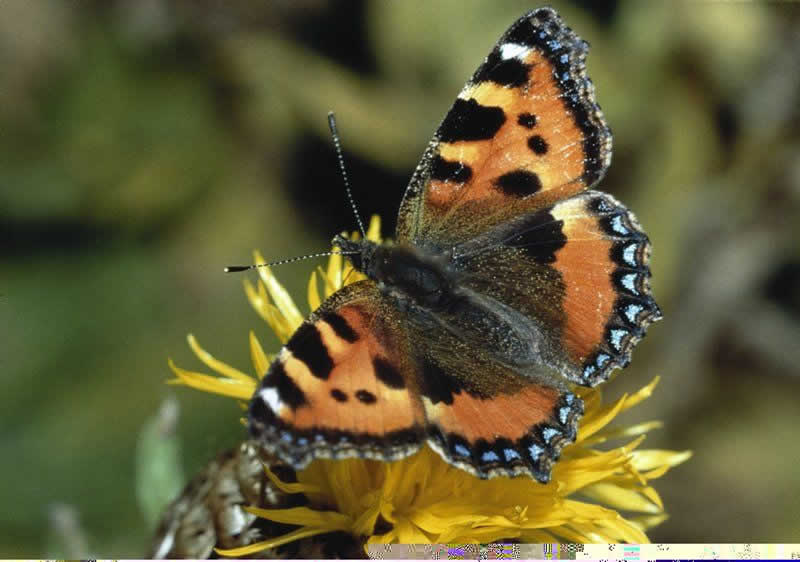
x: 342, y: 385
x: 524, y: 132
x: 509, y: 280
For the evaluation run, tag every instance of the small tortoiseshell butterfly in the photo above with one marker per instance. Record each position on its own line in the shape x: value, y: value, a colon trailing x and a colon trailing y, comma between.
x: 507, y: 280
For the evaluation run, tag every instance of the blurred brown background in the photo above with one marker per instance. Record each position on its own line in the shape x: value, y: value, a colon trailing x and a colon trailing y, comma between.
x: 144, y: 144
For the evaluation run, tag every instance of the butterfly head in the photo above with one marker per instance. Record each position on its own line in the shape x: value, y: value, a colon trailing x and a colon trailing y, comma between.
x: 402, y: 271
x: 359, y: 252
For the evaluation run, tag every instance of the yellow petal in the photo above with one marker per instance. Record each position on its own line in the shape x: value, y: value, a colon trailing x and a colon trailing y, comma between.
x: 290, y: 487
x: 430, y: 523
x: 619, y: 498
x: 464, y: 534
x: 313, y: 292
x: 330, y: 288
x: 585, y: 513
x: 621, y: 530
x: 280, y: 296
x: 653, y: 496
x: 330, y: 520
x: 350, y: 275
x: 599, y: 418
x: 227, y: 387
x: 394, y: 478
x: 259, y: 546
x: 627, y: 431
x: 215, y: 364
x: 645, y: 522
x: 574, y: 474
x: 365, y: 523
x: 652, y: 458
x: 547, y: 520
x: 334, y: 274
x: 351, y: 482
x: 536, y: 536
x: 642, y: 394
x: 410, y: 534
x: 653, y: 474
x: 269, y: 312
x: 571, y: 535
x: 260, y: 360
x: 374, y: 229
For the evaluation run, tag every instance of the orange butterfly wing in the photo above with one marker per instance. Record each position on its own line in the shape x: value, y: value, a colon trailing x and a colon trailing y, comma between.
x: 524, y: 133
x: 519, y: 431
x: 340, y: 385
x: 580, y: 269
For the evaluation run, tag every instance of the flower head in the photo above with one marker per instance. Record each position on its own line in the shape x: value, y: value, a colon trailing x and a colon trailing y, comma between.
x: 594, y: 495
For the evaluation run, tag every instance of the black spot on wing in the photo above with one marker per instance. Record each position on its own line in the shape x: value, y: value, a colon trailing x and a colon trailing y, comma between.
x: 444, y: 170
x: 307, y: 346
x: 341, y: 327
x: 518, y: 183
x: 540, y: 236
x: 438, y: 386
x: 538, y: 145
x: 509, y: 72
x: 527, y: 120
x: 520, y: 33
x: 260, y: 411
x: 288, y: 392
x: 338, y: 395
x: 544, y: 31
x: 260, y: 415
x: 387, y: 373
x: 365, y: 396
x: 468, y: 120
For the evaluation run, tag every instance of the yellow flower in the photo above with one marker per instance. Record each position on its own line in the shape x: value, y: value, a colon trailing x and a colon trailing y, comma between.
x: 422, y: 499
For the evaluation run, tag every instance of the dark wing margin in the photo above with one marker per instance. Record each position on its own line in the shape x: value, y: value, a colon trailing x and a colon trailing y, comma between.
x: 580, y: 267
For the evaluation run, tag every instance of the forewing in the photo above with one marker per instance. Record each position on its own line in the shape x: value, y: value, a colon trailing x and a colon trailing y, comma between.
x: 524, y: 133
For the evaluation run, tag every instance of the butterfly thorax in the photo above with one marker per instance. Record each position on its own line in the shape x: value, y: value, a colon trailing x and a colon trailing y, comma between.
x: 433, y: 291
x: 404, y: 272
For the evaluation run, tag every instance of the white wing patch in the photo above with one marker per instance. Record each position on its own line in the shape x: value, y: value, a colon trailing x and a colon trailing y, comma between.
x: 513, y: 51
x: 270, y: 397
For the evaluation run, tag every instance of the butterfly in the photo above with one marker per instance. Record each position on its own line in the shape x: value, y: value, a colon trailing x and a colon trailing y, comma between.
x: 508, y: 281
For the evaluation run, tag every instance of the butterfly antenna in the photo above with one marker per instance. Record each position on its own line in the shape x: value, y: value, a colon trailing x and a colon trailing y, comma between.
x: 237, y: 268
x: 338, y: 145
x: 340, y: 157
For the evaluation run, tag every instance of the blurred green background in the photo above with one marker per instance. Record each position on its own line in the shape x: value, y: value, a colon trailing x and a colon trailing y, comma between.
x: 145, y: 144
